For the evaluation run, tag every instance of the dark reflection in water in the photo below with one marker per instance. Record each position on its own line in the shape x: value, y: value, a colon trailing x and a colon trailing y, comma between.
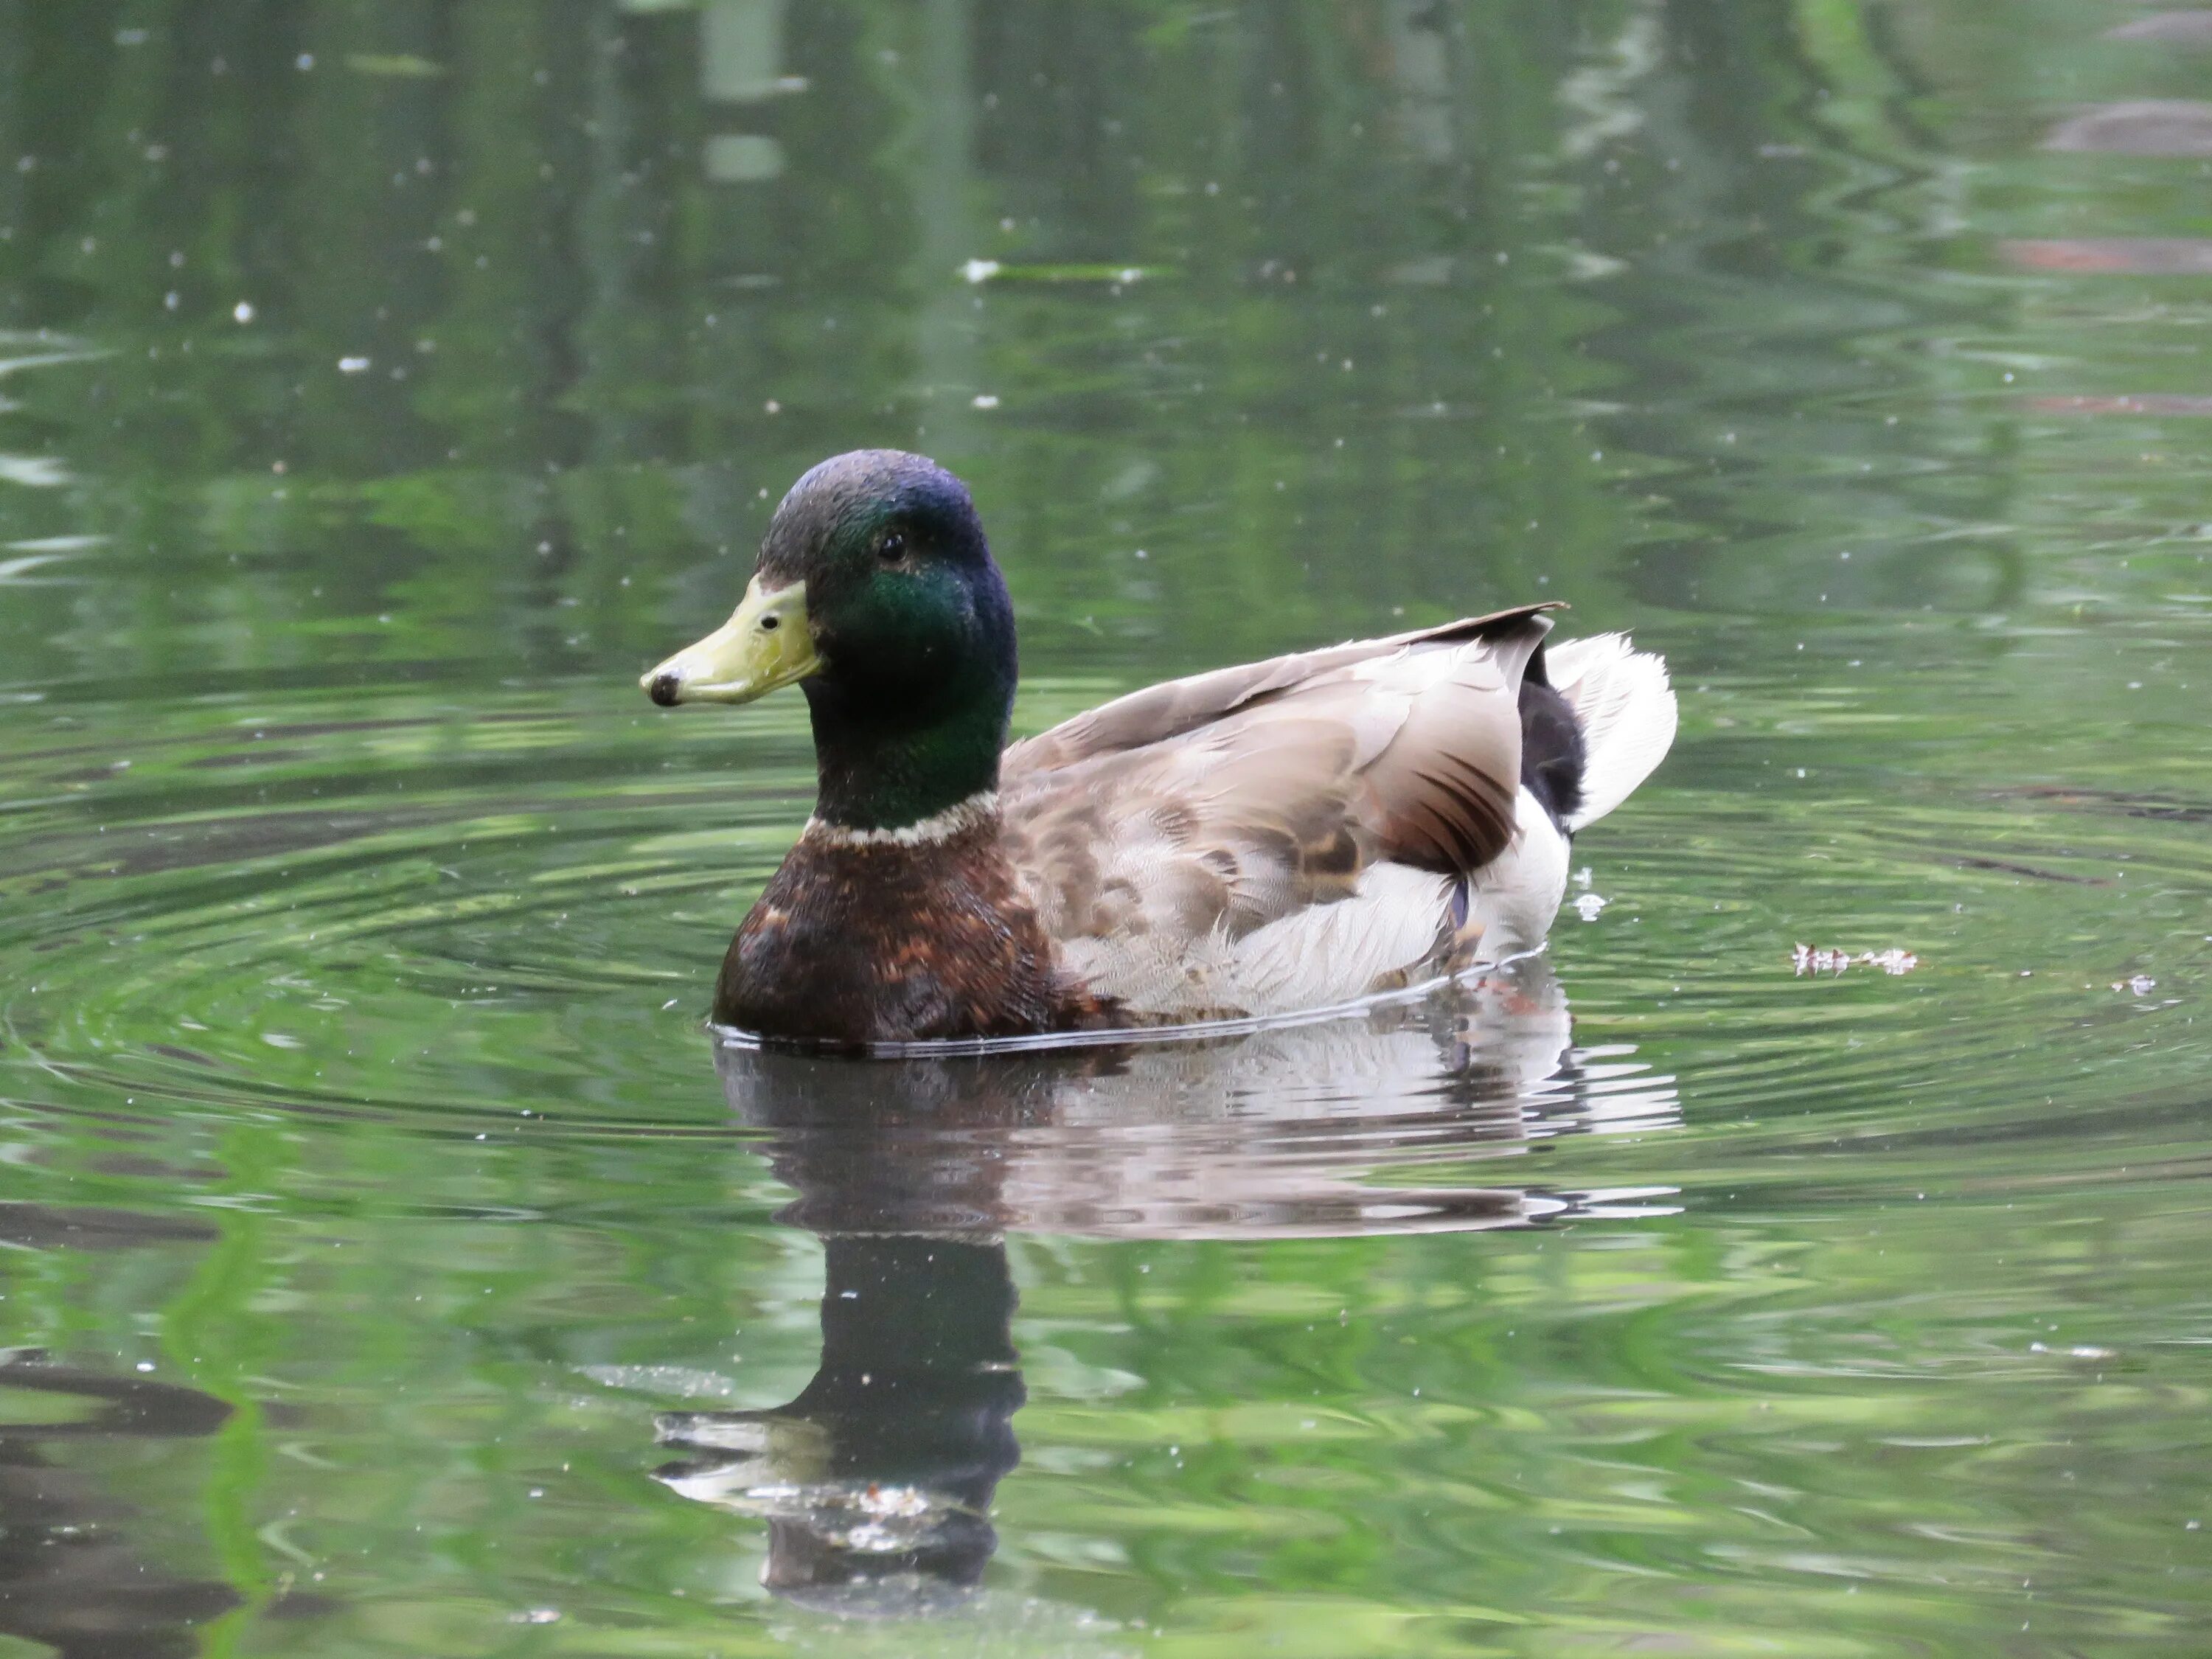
x: 876, y: 1481
x: 52, y: 1226
x: 70, y: 1578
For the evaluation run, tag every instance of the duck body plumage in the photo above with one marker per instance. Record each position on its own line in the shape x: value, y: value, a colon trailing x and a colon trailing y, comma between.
x: 1284, y: 835
x: 1278, y: 836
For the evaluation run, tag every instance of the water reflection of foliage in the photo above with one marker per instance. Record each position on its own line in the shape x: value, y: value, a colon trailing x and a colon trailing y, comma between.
x: 572, y: 334
x: 590, y: 328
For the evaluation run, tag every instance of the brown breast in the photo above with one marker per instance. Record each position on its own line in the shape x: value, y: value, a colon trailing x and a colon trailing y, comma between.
x: 855, y: 942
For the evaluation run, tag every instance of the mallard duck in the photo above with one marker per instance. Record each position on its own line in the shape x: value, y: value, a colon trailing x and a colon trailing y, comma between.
x: 1283, y: 835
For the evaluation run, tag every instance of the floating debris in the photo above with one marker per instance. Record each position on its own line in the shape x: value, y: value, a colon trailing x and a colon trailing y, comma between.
x: 2140, y: 985
x: 2142, y: 126
x: 2140, y: 403
x: 2142, y: 256
x: 1807, y: 960
x: 984, y: 270
x: 34, y: 471
x: 2179, y: 28
x: 400, y: 64
x: 1587, y: 905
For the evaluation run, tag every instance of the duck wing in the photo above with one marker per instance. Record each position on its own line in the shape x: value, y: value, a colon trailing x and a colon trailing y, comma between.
x: 1279, y: 834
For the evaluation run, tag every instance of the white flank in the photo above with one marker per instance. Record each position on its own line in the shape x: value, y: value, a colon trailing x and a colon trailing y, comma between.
x: 1310, y: 958
x: 1335, y: 952
x: 956, y: 819
x: 1626, y: 709
x: 1518, y: 893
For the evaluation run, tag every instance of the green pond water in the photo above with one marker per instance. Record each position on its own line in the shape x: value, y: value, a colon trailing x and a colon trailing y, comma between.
x: 393, y: 1266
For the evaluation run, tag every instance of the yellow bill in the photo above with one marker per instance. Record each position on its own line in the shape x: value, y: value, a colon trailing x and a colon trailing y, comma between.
x: 766, y: 643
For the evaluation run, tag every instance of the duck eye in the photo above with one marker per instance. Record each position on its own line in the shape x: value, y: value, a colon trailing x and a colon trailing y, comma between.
x: 891, y: 548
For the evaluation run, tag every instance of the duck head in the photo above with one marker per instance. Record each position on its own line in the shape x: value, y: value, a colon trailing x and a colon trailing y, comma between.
x: 875, y: 593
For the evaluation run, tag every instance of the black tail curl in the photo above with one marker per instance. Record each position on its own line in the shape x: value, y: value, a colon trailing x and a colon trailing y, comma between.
x: 1551, y: 750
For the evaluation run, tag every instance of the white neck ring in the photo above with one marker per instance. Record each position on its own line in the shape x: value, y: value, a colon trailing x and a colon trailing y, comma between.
x: 938, y: 828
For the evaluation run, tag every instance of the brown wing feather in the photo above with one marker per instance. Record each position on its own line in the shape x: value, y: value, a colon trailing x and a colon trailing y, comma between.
x: 1168, y: 710
x: 1445, y: 788
x: 1218, y: 804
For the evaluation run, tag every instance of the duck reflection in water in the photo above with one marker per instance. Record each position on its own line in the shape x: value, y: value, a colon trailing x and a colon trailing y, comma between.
x: 71, y: 1580
x: 876, y: 1480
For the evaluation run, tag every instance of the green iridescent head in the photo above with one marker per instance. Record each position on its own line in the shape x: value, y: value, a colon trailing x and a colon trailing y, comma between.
x: 877, y: 594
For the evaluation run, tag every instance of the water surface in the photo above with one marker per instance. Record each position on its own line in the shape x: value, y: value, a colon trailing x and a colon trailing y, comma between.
x: 396, y: 1266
